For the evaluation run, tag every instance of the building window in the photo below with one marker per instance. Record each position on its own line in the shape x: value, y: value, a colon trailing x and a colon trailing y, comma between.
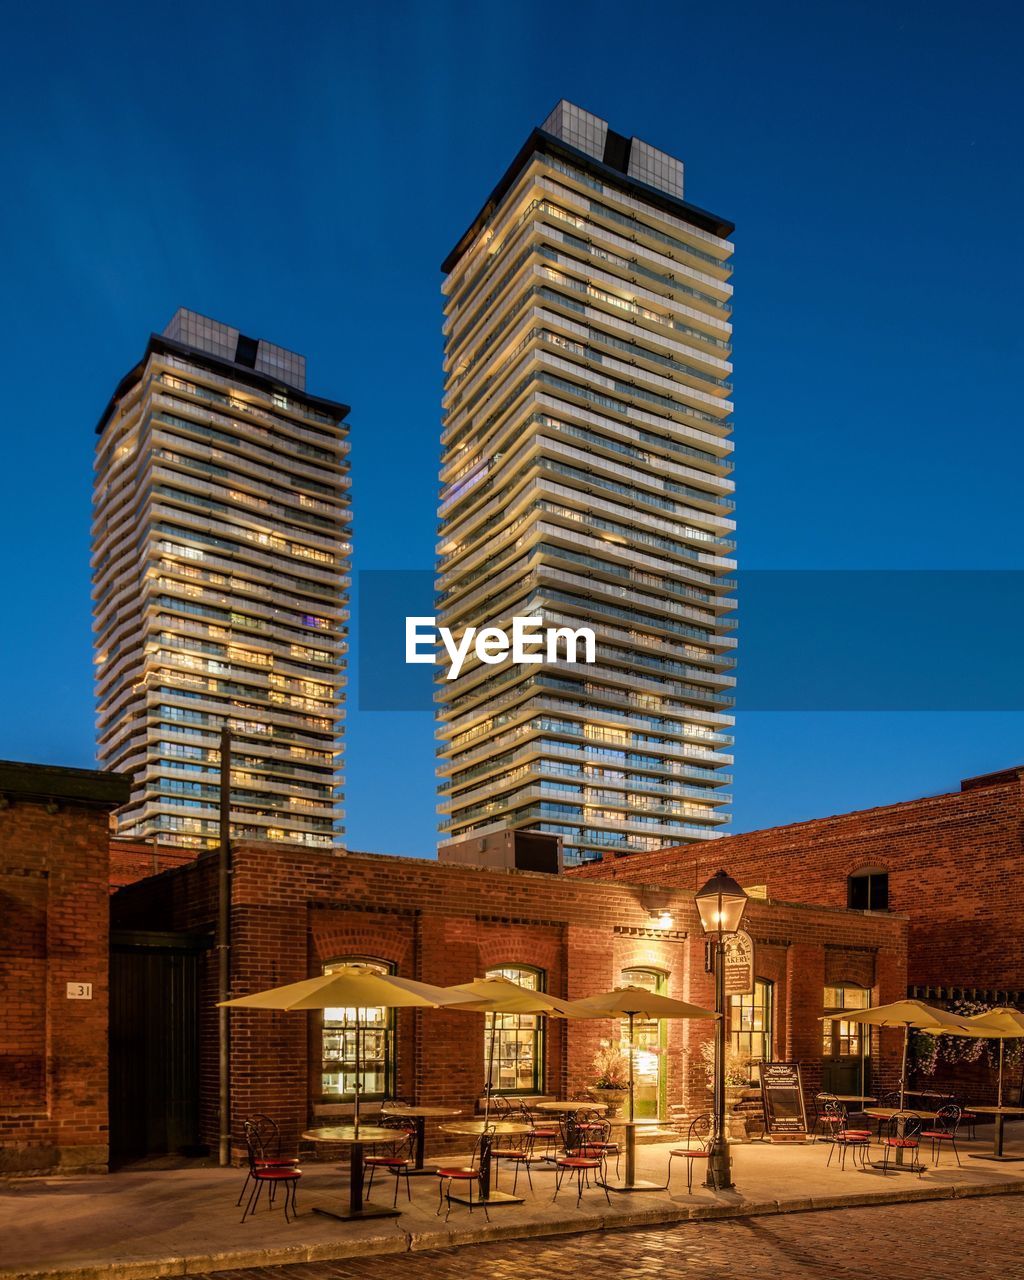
x: 376, y: 1045
x: 750, y: 1026
x: 518, y: 1038
x: 868, y: 890
x: 841, y: 1038
x: 650, y: 1043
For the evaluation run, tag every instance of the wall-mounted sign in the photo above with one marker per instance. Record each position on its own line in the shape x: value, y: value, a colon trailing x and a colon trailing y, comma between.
x: 79, y: 990
x: 783, y: 1096
x: 739, y: 964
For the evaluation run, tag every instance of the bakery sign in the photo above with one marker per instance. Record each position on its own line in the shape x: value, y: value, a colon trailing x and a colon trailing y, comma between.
x: 739, y: 964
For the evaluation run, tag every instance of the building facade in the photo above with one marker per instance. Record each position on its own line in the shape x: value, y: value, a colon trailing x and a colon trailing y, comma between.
x: 950, y: 863
x: 585, y: 481
x: 220, y: 561
x: 54, y: 966
x: 296, y: 912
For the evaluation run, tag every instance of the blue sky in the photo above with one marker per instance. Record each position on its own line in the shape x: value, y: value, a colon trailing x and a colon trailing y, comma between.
x: 300, y: 171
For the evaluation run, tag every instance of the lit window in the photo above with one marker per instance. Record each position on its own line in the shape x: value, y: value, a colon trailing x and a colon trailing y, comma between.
x: 376, y: 1045
x: 518, y: 1039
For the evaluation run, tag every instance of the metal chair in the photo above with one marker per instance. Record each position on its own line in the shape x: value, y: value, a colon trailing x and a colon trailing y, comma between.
x: 466, y: 1175
x: 575, y: 1162
x: 890, y: 1099
x: 700, y: 1142
x: 944, y: 1127
x: 544, y: 1132
x: 844, y: 1138
x: 267, y: 1139
x: 518, y: 1151
x: 903, y: 1134
x: 262, y: 1172
x: 825, y: 1116
x: 596, y: 1140
x: 396, y: 1158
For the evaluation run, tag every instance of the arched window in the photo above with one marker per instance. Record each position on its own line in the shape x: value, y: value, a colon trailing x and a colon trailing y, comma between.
x: 868, y: 889
x: 750, y: 1025
x: 649, y: 1039
x: 376, y: 1045
x: 518, y: 1038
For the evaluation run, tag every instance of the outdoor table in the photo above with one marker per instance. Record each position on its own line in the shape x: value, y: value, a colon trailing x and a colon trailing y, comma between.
x: 570, y: 1108
x: 853, y: 1097
x: 887, y: 1113
x: 631, y: 1182
x: 420, y: 1115
x: 489, y: 1130
x: 356, y: 1137
x: 1000, y: 1114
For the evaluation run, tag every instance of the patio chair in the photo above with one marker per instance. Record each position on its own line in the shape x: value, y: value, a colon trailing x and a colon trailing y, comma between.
x: 465, y: 1175
x: 544, y: 1132
x: 890, y: 1099
x: 396, y: 1158
x: 825, y: 1116
x: 262, y: 1173
x: 944, y: 1126
x: 596, y: 1139
x: 902, y: 1134
x: 843, y: 1138
x: 968, y: 1117
x: 574, y: 1162
x: 700, y: 1141
x: 266, y: 1138
x: 518, y: 1149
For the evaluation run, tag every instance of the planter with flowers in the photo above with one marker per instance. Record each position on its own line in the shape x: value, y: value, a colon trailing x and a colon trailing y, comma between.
x: 612, y: 1083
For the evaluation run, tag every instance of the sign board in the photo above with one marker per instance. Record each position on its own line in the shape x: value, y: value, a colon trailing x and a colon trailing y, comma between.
x: 783, y: 1096
x: 739, y: 964
x: 79, y: 990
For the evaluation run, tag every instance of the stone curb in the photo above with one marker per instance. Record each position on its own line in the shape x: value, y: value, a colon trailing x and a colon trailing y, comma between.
x: 402, y: 1242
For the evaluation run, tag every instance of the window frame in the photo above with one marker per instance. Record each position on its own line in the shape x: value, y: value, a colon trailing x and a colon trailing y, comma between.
x: 870, y: 875
x: 661, y: 977
x: 766, y: 1034
x: 832, y: 1034
x: 512, y: 1023
x: 326, y: 1065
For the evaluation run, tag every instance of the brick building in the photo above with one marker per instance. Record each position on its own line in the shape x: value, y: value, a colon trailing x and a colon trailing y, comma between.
x: 951, y: 863
x: 295, y: 911
x: 54, y: 849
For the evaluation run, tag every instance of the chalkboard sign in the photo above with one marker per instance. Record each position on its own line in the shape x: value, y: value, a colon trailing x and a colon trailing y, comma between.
x: 783, y: 1096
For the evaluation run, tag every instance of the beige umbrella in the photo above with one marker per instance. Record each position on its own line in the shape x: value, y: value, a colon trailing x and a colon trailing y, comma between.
x: 629, y: 1002
x: 350, y: 986
x: 502, y: 995
x: 998, y: 1024
x: 906, y: 1014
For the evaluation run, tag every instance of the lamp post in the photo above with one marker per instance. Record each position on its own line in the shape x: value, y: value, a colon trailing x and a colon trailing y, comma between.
x: 721, y: 904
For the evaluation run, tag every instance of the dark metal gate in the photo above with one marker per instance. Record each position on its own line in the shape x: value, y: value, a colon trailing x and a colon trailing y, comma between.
x: 154, y: 1051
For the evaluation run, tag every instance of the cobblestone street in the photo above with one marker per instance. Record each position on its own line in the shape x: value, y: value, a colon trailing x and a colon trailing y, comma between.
x: 944, y: 1239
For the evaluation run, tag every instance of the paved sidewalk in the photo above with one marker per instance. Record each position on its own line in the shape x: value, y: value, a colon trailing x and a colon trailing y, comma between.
x: 939, y: 1239
x: 150, y: 1223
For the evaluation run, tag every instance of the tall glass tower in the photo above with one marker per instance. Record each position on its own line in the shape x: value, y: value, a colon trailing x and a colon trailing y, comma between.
x: 586, y: 480
x: 220, y: 562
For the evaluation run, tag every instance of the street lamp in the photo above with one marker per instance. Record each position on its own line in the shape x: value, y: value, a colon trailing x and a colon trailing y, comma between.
x: 721, y: 904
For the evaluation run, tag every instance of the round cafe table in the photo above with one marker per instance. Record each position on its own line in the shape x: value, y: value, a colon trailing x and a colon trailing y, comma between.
x: 485, y: 1132
x: 420, y: 1115
x: 570, y: 1108
x: 1000, y: 1114
x: 887, y: 1113
x: 853, y: 1097
x: 355, y: 1137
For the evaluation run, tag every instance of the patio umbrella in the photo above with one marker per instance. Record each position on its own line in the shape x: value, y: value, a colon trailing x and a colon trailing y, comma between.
x: 350, y: 986
x: 501, y: 995
x: 628, y: 1002
x: 906, y: 1014
x: 998, y: 1024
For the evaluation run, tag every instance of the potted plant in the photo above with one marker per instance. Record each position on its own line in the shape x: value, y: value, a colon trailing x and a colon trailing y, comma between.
x: 611, y: 1085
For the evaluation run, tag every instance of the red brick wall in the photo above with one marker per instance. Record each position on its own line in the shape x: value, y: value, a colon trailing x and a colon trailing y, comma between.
x: 132, y: 860
x: 953, y: 861
x: 53, y: 930
x: 294, y: 910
